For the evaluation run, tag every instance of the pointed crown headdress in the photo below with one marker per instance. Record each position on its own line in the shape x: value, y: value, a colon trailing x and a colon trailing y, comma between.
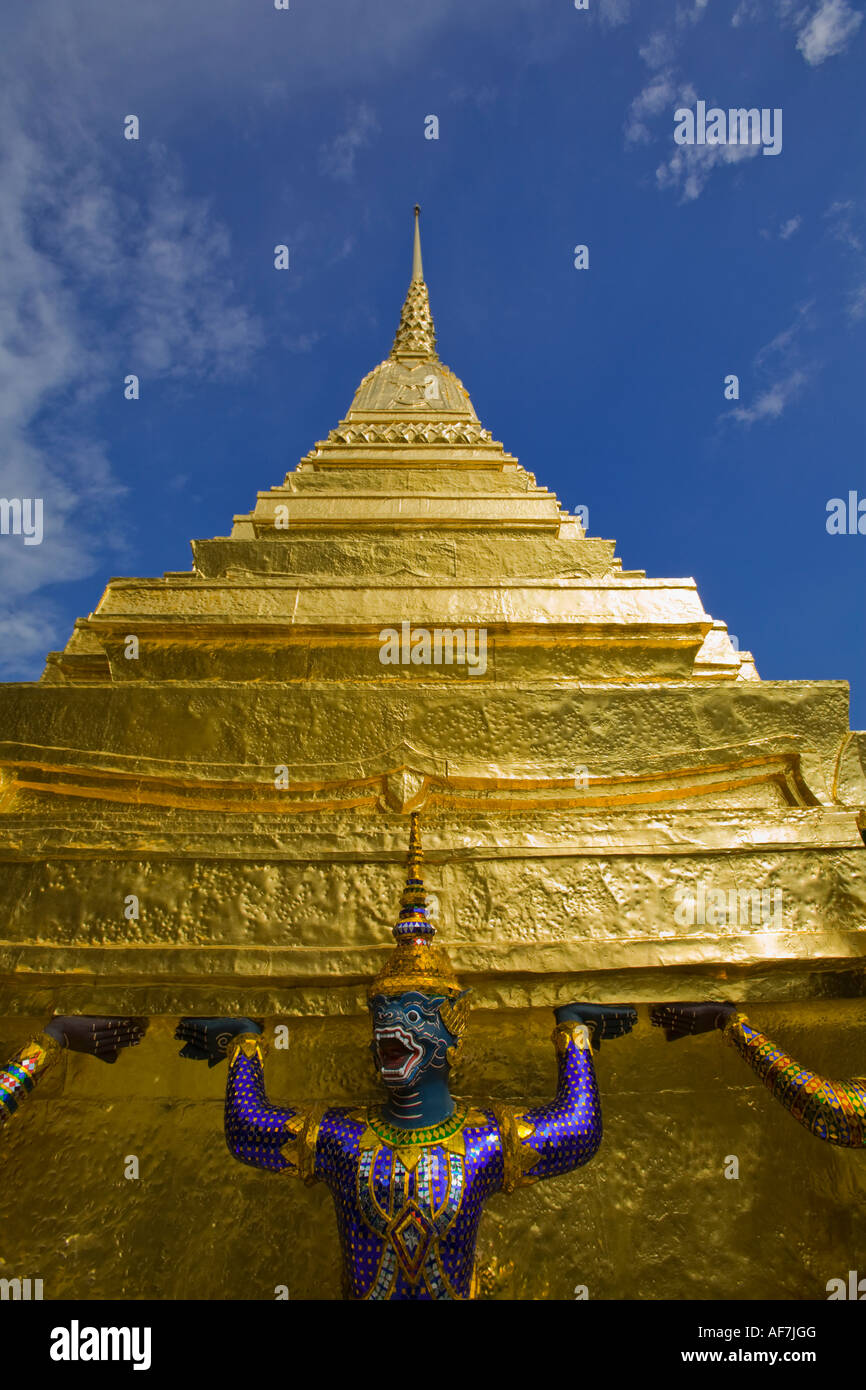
x: 416, y: 962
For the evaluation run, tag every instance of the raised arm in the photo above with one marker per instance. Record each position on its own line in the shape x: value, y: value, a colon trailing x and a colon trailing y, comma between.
x: 98, y: 1036
x: 22, y: 1072
x: 831, y: 1110
x: 547, y: 1140
x: 279, y: 1138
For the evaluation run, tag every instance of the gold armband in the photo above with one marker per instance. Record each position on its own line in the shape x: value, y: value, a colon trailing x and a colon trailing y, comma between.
x: 729, y: 1031
x: 45, y: 1049
x: 300, y: 1148
x: 518, y: 1159
x: 570, y: 1031
x: 250, y: 1044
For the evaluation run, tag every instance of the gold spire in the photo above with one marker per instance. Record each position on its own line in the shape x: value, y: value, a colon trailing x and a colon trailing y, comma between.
x: 413, y: 920
x: 415, y: 962
x: 417, y: 267
x: 416, y: 336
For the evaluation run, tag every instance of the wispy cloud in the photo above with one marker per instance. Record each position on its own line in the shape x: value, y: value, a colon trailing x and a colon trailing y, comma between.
x: 657, y: 96
x: 303, y: 342
x: 344, y: 250
x: 829, y: 31
x: 770, y: 403
x: 841, y: 218
x: 338, y: 157
x: 659, y: 50
x: 787, y: 229
x: 690, y: 166
x: 780, y: 348
x: 690, y: 14
x: 651, y: 114
x: 482, y: 96
x: 856, y: 305
x: 779, y: 371
x: 845, y: 225
x: 746, y: 10
x: 183, y: 313
x: 822, y: 30
x: 614, y: 13
x: 100, y: 279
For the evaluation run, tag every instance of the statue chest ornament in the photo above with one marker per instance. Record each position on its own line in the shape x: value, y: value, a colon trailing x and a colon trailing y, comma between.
x: 409, y: 1202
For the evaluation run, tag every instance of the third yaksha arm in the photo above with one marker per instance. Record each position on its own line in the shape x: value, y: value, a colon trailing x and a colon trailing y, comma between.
x: 831, y: 1110
x: 409, y: 1178
x: 99, y: 1036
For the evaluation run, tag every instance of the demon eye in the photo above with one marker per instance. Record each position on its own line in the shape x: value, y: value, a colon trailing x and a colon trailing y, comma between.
x: 413, y: 1016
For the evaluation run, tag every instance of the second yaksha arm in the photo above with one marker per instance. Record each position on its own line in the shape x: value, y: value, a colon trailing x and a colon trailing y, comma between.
x: 98, y: 1036
x: 257, y: 1132
x: 831, y: 1110
x: 24, y: 1070
x: 544, y: 1141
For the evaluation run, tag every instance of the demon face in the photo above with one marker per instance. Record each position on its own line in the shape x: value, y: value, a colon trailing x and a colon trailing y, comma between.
x: 409, y: 1037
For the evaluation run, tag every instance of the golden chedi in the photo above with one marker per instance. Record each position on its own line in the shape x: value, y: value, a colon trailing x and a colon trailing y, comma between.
x: 205, y: 805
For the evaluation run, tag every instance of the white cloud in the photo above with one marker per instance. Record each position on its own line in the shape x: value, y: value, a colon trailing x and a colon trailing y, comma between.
x: 841, y: 216
x: 786, y: 229
x: 778, y: 371
x: 822, y: 30
x: 689, y: 168
x: 771, y: 402
x: 303, y: 342
x: 98, y: 281
x: 183, y: 315
x: 338, y: 157
x: 345, y: 249
x: 658, y: 51
x: 655, y: 97
x: 482, y: 96
x: 828, y: 31
x: 844, y: 219
x: 691, y: 14
x: 786, y: 342
x: 746, y: 10
x: 28, y: 634
x: 857, y: 302
x: 614, y: 13
x: 172, y: 54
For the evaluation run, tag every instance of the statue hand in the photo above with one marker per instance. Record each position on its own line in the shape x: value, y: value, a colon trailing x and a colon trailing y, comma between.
x: 209, y: 1039
x: 603, y: 1020
x: 95, y: 1034
x: 684, y: 1020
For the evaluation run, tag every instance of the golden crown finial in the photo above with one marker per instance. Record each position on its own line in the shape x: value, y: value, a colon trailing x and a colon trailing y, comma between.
x: 413, y: 920
x: 416, y: 962
x: 415, y: 854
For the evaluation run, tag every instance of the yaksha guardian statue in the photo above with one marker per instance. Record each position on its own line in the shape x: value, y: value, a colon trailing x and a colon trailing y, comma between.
x: 409, y: 1178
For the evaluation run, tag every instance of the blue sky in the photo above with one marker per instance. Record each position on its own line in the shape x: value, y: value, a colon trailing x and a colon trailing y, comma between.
x: 306, y: 127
